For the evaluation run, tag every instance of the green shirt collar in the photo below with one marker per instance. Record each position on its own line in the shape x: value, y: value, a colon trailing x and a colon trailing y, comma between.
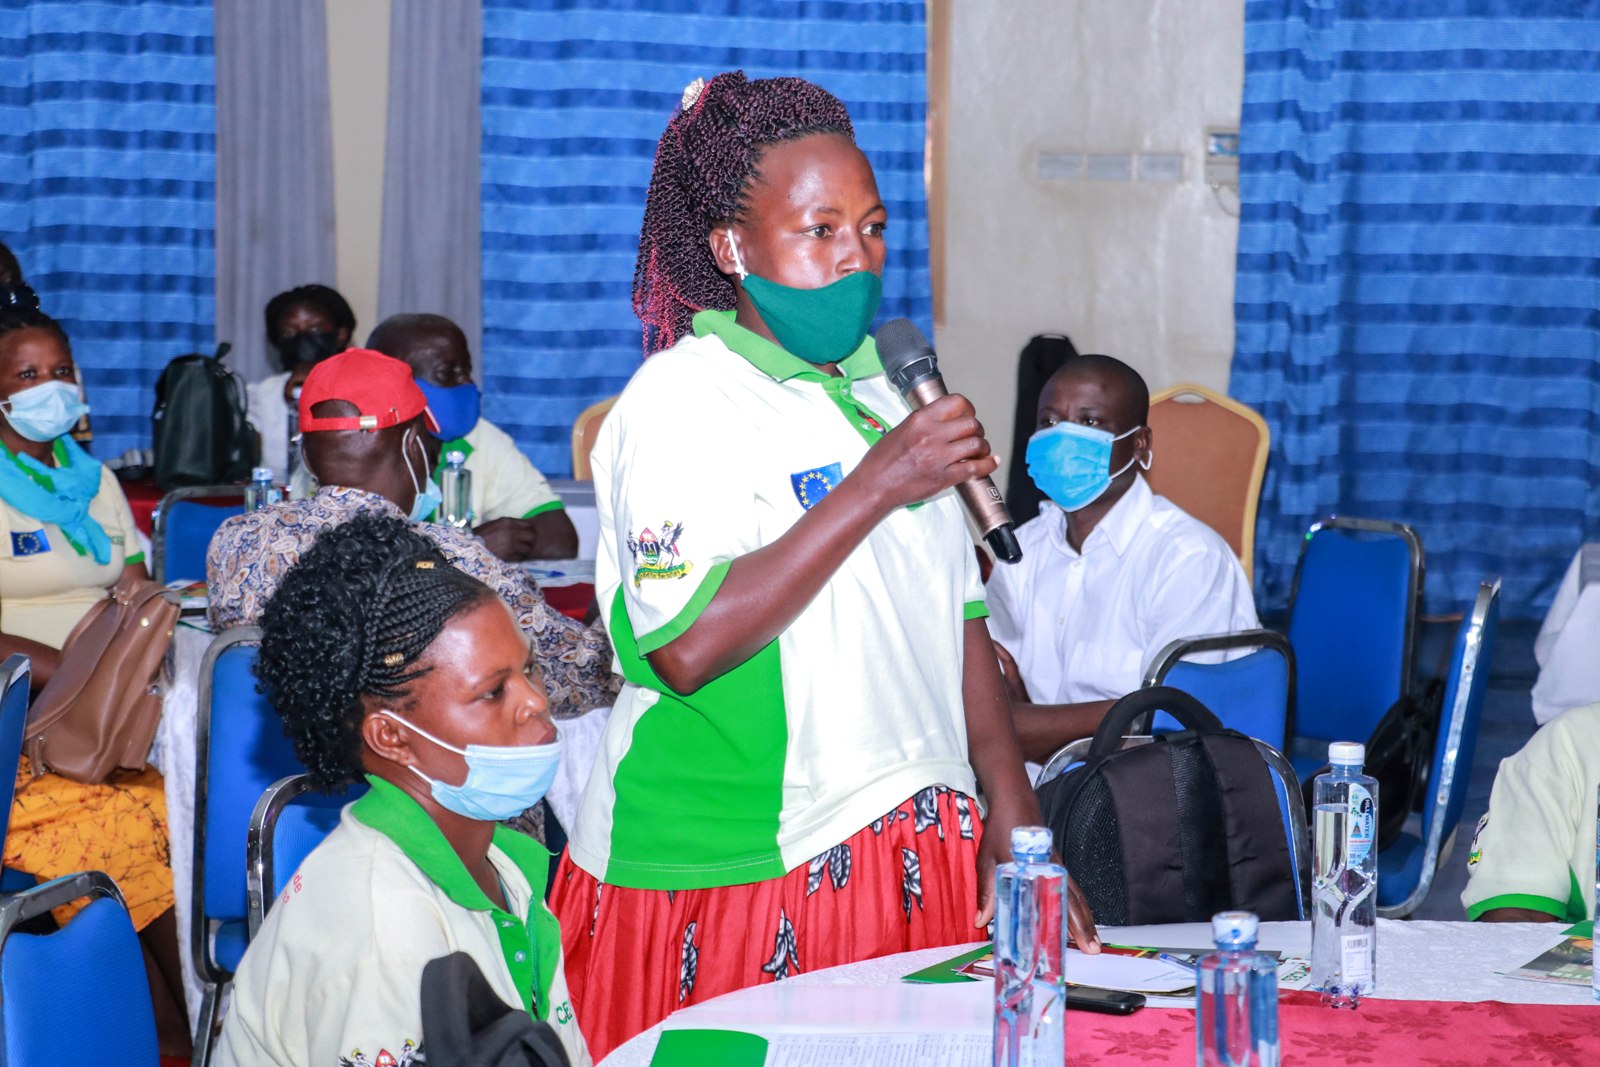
x: 387, y: 809
x: 59, y: 449
x: 778, y: 363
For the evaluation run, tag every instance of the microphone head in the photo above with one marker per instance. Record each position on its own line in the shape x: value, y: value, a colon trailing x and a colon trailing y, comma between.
x: 906, y: 355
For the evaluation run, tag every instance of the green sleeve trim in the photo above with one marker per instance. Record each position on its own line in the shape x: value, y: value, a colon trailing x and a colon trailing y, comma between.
x: 974, y: 609
x: 664, y: 635
x: 547, y: 506
x: 1554, y: 908
x: 137, y: 557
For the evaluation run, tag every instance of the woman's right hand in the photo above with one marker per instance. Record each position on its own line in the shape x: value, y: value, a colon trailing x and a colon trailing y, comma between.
x: 935, y: 448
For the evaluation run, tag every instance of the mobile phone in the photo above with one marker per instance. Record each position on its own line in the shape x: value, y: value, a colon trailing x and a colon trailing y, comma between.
x: 1109, y: 1001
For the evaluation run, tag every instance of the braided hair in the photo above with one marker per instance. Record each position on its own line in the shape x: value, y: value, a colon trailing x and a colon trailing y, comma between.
x: 10, y: 269
x: 19, y: 310
x: 351, y: 619
x: 705, y: 162
x: 321, y: 297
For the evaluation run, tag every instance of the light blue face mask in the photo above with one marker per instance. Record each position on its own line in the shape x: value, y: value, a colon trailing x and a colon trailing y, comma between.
x: 44, y: 412
x: 426, y: 503
x: 1071, y: 463
x: 502, y: 780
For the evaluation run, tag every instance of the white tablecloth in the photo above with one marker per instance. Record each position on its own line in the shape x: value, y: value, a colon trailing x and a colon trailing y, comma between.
x: 1568, y: 645
x: 1451, y: 961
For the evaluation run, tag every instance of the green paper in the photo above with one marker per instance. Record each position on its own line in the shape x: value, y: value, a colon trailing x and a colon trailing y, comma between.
x: 709, y: 1048
x: 949, y: 971
x: 1583, y: 929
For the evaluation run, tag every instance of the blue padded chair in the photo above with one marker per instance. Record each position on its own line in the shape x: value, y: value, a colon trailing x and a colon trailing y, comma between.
x: 181, y: 529
x: 240, y: 751
x: 1291, y: 803
x: 1252, y: 694
x: 289, y: 821
x: 1406, y: 868
x: 14, y: 675
x: 1352, y: 622
x: 79, y: 994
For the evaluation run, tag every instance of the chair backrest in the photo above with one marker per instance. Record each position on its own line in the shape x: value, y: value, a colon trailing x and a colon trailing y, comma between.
x: 1210, y: 457
x: 14, y: 679
x: 79, y: 994
x: 1252, y: 694
x: 1466, y: 687
x: 182, y: 526
x: 1352, y: 622
x: 240, y: 751
x: 585, y: 428
x: 288, y: 822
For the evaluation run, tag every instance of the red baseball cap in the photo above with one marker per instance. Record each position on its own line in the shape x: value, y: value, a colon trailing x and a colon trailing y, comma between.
x: 380, y: 387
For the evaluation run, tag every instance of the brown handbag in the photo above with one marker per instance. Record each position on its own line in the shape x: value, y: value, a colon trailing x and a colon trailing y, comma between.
x: 99, y: 711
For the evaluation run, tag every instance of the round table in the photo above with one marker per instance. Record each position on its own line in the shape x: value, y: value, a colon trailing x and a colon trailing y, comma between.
x: 1438, y: 961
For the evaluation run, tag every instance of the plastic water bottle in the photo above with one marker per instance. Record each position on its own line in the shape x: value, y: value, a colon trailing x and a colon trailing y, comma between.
x: 455, y: 490
x: 1344, y: 889
x: 1236, y: 991
x: 261, y: 492
x: 1030, y: 949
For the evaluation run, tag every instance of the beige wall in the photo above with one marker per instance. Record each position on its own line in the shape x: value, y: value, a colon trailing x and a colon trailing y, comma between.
x: 358, y: 89
x: 1140, y: 271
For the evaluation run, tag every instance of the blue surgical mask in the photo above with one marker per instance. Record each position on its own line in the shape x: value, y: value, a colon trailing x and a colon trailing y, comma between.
x: 1071, y: 463
x: 502, y: 780
x: 426, y: 503
x: 44, y: 412
x: 456, y: 408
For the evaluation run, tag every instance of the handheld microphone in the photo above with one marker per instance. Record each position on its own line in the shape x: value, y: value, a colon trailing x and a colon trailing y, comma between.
x: 913, y: 369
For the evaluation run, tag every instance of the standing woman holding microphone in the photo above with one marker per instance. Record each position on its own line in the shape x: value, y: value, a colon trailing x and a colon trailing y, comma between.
x: 787, y: 780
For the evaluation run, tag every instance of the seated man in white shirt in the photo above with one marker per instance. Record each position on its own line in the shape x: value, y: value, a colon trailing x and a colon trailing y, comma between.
x: 1533, y: 856
x: 1110, y: 572
x: 515, y: 511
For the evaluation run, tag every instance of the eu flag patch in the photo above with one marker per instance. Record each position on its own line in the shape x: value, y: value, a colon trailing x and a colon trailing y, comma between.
x: 812, y: 485
x: 30, y: 543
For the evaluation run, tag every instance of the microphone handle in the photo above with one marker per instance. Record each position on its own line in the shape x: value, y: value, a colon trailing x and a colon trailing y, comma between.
x: 984, y: 502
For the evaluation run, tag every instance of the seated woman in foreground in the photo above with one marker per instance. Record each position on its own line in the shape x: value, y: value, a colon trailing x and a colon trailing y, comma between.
x: 387, y: 662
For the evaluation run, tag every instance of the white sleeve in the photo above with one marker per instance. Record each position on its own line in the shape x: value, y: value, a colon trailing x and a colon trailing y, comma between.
x: 1193, y: 594
x: 1007, y: 611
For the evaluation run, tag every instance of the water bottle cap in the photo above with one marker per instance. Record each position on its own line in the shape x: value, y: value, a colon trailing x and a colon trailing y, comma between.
x: 261, y: 474
x: 455, y: 458
x: 1234, y: 929
x: 1347, y: 753
x: 1030, y: 842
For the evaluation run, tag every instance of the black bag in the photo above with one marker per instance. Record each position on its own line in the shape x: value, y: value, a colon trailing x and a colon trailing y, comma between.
x: 201, y: 434
x: 466, y: 1024
x: 1041, y: 357
x: 1175, y: 830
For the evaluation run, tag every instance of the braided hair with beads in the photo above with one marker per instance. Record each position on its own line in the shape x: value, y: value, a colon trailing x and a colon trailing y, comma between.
x: 19, y: 310
x: 351, y: 619
x: 707, y: 158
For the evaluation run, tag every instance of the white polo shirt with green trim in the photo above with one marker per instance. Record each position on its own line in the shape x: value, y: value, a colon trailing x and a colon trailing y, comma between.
x: 335, y: 974
x: 505, y: 483
x: 715, y: 449
x: 1535, y: 846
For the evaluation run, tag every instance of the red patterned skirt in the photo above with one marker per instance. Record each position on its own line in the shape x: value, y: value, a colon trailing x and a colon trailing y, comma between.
x: 633, y: 956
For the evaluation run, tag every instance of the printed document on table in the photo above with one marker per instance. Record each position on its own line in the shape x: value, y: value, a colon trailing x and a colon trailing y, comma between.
x: 879, y: 1050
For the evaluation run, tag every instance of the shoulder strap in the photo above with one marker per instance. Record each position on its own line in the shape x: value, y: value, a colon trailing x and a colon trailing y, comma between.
x: 1175, y: 702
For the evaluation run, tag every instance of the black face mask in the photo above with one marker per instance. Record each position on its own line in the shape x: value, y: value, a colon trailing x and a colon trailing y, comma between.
x: 309, y: 346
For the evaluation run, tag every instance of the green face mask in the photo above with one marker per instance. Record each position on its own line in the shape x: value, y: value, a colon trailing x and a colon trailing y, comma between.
x: 818, y: 325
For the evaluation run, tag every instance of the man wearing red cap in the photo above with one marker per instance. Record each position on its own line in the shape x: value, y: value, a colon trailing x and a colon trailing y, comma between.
x: 362, y: 417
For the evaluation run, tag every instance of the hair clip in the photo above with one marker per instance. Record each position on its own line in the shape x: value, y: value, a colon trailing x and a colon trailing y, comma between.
x: 424, y: 564
x: 691, y: 93
x: 394, y: 659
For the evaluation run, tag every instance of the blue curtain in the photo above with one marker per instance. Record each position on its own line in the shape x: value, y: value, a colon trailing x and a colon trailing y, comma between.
x: 575, y: 95
x: 1416, y: 303
x: 107, y: 175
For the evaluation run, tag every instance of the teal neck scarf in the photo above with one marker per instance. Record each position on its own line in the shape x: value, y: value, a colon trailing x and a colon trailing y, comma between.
x: 59, y: 495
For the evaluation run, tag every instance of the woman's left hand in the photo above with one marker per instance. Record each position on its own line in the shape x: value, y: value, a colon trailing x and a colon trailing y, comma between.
x: 996, y: 849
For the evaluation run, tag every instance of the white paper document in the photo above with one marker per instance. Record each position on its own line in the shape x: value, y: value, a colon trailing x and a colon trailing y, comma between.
x: 879, y: 1050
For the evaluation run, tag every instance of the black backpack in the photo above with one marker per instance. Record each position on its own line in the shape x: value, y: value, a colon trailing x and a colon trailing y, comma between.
x: 201, y: 434
x: 1175, y: 830
x: 466, y: 1024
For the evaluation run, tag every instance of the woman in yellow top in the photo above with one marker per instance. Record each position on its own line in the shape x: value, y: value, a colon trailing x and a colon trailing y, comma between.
x: 66, y: 536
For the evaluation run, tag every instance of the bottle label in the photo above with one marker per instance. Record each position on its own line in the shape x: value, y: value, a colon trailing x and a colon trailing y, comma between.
x: 1357, y: 959
x: 1363, y: 823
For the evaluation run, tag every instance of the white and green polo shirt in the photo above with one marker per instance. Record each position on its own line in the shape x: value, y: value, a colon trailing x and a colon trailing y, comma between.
x: 715, y: 449
x: 335, y: 974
